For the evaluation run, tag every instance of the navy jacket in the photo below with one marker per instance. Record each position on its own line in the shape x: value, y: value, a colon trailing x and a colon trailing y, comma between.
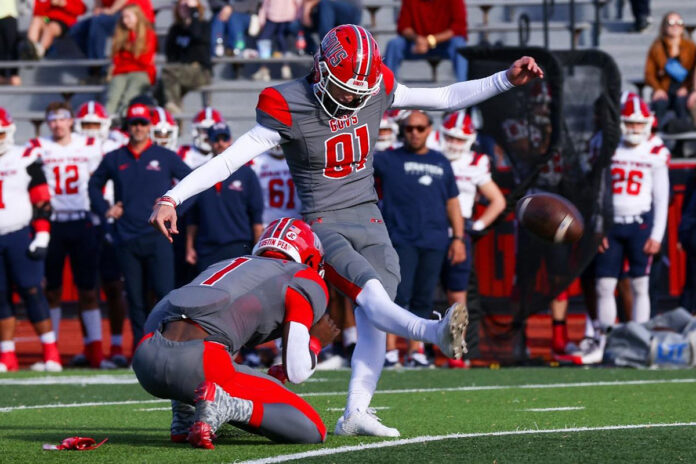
x: 138, y: 182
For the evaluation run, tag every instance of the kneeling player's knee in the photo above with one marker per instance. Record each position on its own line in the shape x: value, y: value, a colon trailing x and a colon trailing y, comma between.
x: 287, y: 424
x: 37, y: 306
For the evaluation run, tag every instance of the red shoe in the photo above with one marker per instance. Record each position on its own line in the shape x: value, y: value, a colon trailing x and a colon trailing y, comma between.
x: 458, y: 363
x: 178, y: 437
x: 50, y: 352
x: 8, y: 361
x: 201, y: 435
x: 95, y: 356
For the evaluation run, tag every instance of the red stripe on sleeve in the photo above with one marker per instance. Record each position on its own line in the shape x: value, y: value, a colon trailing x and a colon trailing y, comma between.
x: 39, y: 193
x: 41, y: 225
x: 656, y: 149
x: 312, y: 275
x: 298, y: 309
x: 273, y: 104
x: 388, y: 77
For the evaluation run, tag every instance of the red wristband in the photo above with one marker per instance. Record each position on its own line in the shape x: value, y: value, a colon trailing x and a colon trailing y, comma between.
x: 314, y: 345
x: 165, y: 200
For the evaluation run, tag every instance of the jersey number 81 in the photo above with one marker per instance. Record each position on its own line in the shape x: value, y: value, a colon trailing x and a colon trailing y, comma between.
x: 337, y: 168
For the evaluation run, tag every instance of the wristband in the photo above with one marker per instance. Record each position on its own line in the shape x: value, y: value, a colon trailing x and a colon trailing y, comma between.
x: 458, y: 237
x: 314, y: 345
x: 478, y: 225
x: 432, y: 41
x: 165, y: 200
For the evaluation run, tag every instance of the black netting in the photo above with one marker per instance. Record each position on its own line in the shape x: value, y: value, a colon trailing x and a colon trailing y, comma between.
x: 539, y: 136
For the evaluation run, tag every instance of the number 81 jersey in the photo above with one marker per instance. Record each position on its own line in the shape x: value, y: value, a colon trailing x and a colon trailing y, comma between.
x: 632, y: 175
x: 330, y: 159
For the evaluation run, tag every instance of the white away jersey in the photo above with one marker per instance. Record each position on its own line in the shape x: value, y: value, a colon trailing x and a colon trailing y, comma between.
x: 68, y: 169
x: 279, y: 194
x: 632, y: 170
x: 470, y: 171
x: 192, y: 156
x: 15, y: 206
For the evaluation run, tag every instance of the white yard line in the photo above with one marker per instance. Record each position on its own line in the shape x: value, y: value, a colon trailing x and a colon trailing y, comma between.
x: 153, y: 409
x: 73, y: 380
x: 454, y: 436
x: 377, y: 408
x: 562, y: 408
x: 393, y: 392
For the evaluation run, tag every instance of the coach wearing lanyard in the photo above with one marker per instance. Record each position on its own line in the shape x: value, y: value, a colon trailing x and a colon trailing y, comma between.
x: 420, y: 201
x: 140, y: 171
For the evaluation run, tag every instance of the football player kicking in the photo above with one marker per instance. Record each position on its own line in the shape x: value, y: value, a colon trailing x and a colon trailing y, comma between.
x: 327, y: 125
x: 194, y: 333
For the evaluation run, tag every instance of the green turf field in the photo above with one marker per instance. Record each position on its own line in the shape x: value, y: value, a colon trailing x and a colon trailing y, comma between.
x: 445, y: 416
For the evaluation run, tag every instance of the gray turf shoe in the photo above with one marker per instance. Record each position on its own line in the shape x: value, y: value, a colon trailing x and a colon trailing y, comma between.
x: 451, y: 334
x: 364, y: 423
x: 182, y: 420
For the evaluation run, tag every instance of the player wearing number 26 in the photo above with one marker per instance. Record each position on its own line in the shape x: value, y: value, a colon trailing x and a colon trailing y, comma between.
x: 327, y: 124
x: 640, y: 194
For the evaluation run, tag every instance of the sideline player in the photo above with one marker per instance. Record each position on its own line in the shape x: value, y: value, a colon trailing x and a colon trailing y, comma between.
x: 640, y: 187
x: 25, y: 210
x: 68, y: 162
x: 201, y: 150
x: 280, y: 197
x: 194, y: 333
x: 327, y: 124
x: 164, y: 131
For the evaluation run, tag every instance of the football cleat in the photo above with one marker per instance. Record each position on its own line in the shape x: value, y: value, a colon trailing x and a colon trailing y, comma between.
x: 590, y: 351
x: 418, y: 360
x: 364, y: 423
x: 391, y: 360
x: 452, y: 331
x: 214, y: 407
x: 333, y: 362
x: 182, y: 420
x: 47, y: 366
x: 9, y: 362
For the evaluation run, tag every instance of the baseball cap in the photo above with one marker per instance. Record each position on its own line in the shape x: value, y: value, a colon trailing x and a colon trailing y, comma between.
x: 138, y: 112
x: 217, y: 130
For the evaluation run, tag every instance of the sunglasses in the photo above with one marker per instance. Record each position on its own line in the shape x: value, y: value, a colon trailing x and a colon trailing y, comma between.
x: 138, y: 122
x: 416, y: 128
x: 675, y: 22
x: 221, y: 138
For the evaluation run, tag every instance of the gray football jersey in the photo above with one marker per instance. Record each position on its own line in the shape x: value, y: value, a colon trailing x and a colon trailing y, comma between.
x: 330, y: 159
x: 241, y: 301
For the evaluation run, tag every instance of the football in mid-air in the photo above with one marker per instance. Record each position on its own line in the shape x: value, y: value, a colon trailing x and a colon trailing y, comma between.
x: 550, y: 217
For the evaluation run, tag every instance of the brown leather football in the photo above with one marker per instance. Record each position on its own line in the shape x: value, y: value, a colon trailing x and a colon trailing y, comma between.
x: 550, y: 217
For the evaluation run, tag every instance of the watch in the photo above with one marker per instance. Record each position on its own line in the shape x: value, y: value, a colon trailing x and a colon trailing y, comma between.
x: 432, y: 41
x: 458, y: 237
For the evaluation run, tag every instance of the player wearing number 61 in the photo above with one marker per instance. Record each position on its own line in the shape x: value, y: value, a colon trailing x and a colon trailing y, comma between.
x: 327, y: 124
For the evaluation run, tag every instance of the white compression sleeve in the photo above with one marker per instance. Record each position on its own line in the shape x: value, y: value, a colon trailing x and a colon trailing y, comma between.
x: 451, y: 97
x: 641, y: 299
x: 258, y: 140
x: 299, y: 361
x: 660, y: 199
x: 606, y: 303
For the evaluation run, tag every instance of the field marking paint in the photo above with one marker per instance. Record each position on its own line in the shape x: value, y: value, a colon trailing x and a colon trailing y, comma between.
x: 453, y: 436
x: 153, y: 409
x: 392, y: 392
x: 562, y: 408
x: 376, y: 408
x: 73, y: 380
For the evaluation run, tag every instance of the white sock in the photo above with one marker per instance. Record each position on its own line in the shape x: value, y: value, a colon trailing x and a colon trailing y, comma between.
x: 641, y: 299
x: 606, y: 303
x: 55, y: 319
x: 93, y: 325
x: 7, y: 345
x: 117, y: 340
x: 390, y: 317
x: 392, y: 356
x: 366, y: 365
x: 48, y: 337
x: 589, y: 327
x: 350, y: 336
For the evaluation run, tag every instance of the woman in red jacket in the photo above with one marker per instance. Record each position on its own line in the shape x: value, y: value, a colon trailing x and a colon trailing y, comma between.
x: 133, y: 52
x: 52, y: 19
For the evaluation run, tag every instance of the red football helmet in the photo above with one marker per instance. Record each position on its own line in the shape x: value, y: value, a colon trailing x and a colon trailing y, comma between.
x: 458, y: 134
x: 7, y: 127
x: 200, y: 124
x: 347, y: 70
x: 92, y: 120
x: 635, y: 111
x: 164, y: 130
x: 291, y: 238
x: 388, y: 131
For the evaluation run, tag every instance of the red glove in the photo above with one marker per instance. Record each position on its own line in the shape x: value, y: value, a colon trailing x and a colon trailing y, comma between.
x: 278, y: 372
x: 75, y: 443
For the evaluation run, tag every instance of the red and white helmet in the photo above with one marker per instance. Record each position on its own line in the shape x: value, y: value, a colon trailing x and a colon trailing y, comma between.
x: 164, y: 131
x: 291, y: 238
x: 635, y: 110
x: 7, y: 127
x: 93, y: 112
x: 348, y: 62
x: 458, y: 125
x: 388, y: 132
x: 200, y: 124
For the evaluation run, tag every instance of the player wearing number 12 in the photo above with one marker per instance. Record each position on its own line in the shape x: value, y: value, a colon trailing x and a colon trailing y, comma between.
x: 640, y: 195
x: 327, y: 124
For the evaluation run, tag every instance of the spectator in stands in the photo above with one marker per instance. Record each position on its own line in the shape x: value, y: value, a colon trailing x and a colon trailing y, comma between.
x: 420, y: 200
x: 9, y: 39
x: 225, y: 220
x: 641, y: 14
x: 139, y: 170
x: 91, y: 34
x: 669, y: 70
x: 229, y: 25
x: 429, y: 28
x: 188, y: 54
x: 687, y: 238
x: 52, y: 19
x: 276, y: 18
x: 133, y: 54
x: 323, y: 15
